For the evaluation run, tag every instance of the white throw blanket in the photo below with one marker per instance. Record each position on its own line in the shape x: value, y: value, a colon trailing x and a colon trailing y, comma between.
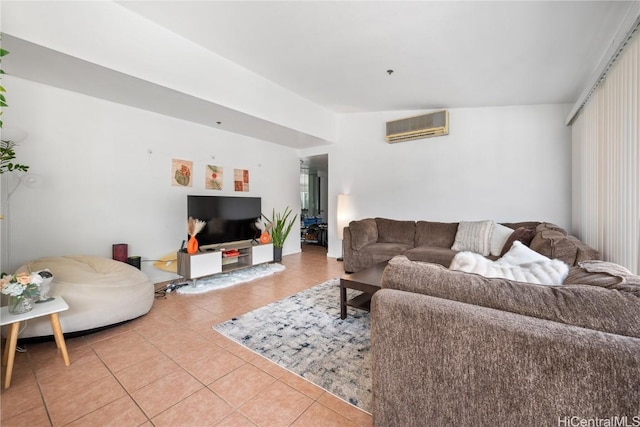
x: 535, y: 268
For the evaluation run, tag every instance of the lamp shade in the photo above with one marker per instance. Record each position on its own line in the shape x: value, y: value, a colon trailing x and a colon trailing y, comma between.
x: 343, y: 214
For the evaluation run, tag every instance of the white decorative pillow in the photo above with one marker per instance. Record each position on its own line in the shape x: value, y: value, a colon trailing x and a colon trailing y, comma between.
x: 520, y: 254
x: 499, y: 237
x: 474, y: 236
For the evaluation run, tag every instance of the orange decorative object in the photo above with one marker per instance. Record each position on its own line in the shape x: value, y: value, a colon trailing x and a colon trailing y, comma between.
x: 265, y: 238
x: 192, y: 245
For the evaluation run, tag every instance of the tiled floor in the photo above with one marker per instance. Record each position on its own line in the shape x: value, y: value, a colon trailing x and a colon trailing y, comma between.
x: 170, y: 368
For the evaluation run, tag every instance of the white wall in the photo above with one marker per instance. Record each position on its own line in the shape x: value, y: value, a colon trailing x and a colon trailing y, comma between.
x: 101, y: 185
x: 105, y: 175
x: 500, y: 163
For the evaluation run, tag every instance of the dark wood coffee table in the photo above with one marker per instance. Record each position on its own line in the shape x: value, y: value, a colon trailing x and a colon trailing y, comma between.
x: 367, y: 281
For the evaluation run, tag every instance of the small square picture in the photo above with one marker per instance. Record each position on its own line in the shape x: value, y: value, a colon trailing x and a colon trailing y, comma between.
x: 241, y: 179
x: 213, y: 177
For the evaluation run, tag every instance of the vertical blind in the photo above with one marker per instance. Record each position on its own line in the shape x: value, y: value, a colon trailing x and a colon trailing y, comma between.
x: 606, y: 163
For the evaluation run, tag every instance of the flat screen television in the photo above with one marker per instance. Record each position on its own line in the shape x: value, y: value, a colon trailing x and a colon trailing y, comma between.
x: 228, y: 219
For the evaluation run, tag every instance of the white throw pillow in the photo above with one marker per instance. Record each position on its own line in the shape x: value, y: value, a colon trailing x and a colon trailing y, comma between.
x: 520, y: 254
x: 499, y: 237
x: 474, y: 236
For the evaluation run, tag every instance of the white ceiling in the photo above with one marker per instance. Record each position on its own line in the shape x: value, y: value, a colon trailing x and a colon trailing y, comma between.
x: 445, y: 54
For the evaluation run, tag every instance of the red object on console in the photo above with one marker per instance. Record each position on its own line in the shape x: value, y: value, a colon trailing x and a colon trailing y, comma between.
x: 230, y: 253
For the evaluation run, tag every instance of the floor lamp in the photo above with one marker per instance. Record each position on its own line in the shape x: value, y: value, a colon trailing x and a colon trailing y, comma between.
x: 342, y: 219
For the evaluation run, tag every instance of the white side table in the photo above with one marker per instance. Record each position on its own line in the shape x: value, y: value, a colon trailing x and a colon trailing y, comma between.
x: 50, y: 308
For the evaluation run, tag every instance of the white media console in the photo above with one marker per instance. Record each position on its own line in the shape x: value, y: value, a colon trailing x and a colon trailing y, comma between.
x: 203, y: 264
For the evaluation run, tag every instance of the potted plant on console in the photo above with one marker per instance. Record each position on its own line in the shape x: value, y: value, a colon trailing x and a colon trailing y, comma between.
x: 281, y: 225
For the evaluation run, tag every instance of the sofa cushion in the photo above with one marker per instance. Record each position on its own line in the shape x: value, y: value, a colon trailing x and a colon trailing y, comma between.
x: 474, y: 236
x: 580, y: 305
x: 363, y: 232
x: 394, y: 231
x: 547, y: 226
x: 438, y: 234
x: 442, y: 256
x: 604, y: 274
x: 521, y: 234
x: 554, y: 244
x: 499, y: 237
x: 385, y: 250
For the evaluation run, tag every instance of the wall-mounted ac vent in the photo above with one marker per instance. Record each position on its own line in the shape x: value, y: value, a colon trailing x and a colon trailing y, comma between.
x: 426, y: 126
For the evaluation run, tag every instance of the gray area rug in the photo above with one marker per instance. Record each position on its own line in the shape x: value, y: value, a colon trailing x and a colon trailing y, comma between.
x: 304, y: 334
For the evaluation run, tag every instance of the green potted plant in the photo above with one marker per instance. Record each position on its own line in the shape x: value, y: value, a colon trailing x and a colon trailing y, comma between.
x: 281, y: 225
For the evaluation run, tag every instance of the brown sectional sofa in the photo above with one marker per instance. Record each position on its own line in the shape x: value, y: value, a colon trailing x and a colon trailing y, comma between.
x: 372, y: 240
x: 453, y: 348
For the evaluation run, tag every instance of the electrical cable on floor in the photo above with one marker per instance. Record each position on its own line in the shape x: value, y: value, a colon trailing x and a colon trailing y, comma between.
x: 162, y: 292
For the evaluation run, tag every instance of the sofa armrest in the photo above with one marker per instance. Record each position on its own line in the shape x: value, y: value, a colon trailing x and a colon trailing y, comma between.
x: 442, y: 362
x: 347, y: 251
x: 350, y: 257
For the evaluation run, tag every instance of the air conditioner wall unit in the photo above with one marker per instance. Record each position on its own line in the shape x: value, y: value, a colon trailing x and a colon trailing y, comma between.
x: 425, y: 126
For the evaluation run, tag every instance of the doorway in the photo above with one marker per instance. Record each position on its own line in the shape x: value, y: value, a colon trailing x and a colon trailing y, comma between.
x: 314, y: 200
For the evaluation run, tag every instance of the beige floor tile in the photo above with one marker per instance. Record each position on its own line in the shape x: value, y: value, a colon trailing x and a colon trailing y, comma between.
x: 18, y: 399
x: 39, y: 351
x: 123, y: 358
x: 319, y: 415
x: 36, y: 417
x: 107, y: 333
x: 302, y: 385
x: 277, y: 405
x: 86, y: 400
x: 237, y: 419
x: 242, y: 384
x: 216, y: 365
x: 203, y: 408
x: 166, y: 392
x: 65, y: 385
x: 121, y: 412
x: 78, y: 355
x: 345, y: 409
x: 192, y: 351
x: 22, y: 373
x: 268, y: 366
x: 116, y: 343
x: 146, y: 372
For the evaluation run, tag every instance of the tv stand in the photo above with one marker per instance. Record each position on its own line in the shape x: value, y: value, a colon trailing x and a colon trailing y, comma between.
x: 223, y: 258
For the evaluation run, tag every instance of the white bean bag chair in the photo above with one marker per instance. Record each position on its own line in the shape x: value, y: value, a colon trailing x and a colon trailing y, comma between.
x: 99, y: 291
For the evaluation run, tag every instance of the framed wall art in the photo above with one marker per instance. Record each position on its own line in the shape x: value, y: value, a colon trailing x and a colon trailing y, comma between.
x: 213, y: 177
x: 241, y: 179
x: 181, y: 171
